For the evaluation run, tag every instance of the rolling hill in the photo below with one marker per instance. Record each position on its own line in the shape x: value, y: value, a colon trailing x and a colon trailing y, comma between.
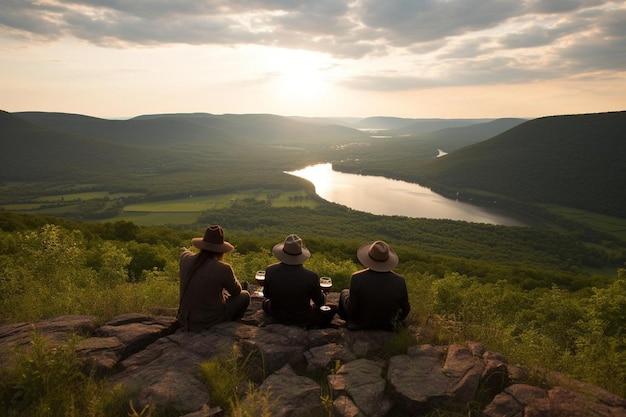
x: 454, y: 138
x: 29, y: 152
x: 572, y: 160
x: 194, y: 128
x: 159, y: 155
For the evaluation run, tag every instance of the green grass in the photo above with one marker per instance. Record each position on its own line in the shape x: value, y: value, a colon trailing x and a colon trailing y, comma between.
x: 230, y: 386
x: 21, y: 207
x: 143, y: 218
x: 186, y: 210
x: 183, y: 211
x: 47, y: 381
x: 58, y: 209
x: 93, y: 195
x: 614, y: 226
x: 198, y: 204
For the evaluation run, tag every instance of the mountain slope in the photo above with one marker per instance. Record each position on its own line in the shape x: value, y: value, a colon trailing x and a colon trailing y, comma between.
x: 29, y: 152
x: 151, y: 160
x: 433, y: 125
x: 193, y: 128
x: 575, y: 161
x: 454, y: 138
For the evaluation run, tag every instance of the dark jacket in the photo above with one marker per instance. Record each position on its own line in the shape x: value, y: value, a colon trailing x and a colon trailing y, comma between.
x: 203, y: 297
x: 377, y: 300
x: 290, y: 289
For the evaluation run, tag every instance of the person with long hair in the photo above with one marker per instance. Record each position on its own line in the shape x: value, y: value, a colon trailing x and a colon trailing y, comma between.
x: 210, y: 293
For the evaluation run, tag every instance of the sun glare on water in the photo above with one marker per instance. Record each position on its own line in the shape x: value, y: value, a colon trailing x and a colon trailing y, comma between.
x: 320, y: 175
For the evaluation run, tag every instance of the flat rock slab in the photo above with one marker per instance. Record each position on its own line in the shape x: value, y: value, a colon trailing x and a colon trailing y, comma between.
x: 525, y: 400
x: 320, y: 358
x: 55, y: 331
x: 136, y: 331
x: 295, y: 395
x: 422, y: 379
x: 161, y: 365
x: 361, y: 380
x: 168, y: 372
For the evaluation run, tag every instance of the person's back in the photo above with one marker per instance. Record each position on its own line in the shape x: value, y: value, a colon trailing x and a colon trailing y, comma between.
x: 377, y: 297
x: 209, y: 290
x: 291, y: 289
x: 203, y: 304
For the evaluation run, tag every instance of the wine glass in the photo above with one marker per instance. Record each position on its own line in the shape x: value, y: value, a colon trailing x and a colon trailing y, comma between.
x: 260, y: 280
x: 326, y: 283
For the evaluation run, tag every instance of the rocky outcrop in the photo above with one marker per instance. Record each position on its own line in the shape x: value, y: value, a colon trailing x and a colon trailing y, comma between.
x: 309, y: 372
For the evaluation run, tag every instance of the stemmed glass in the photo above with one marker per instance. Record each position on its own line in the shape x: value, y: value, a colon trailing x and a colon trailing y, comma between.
x: 326, y: 283
x: 260, y: 280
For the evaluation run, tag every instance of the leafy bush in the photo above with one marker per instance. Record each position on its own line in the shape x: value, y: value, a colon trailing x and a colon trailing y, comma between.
x: 53, y: 269
x: 47, y: 381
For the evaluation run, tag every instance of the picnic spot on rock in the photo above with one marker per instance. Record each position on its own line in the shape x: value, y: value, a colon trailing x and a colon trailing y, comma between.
x: 161, y: 364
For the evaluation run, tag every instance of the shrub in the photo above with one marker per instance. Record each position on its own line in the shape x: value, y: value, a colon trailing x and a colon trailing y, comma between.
x: 47, y: 381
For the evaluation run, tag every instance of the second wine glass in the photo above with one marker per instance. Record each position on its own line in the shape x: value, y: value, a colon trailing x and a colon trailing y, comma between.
x: 260, y: 280
x: 326, y: 283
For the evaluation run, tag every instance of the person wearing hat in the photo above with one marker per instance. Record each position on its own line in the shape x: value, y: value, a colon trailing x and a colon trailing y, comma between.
x: 209, y: 290
x: 291, y: 289
x: 377, y: 297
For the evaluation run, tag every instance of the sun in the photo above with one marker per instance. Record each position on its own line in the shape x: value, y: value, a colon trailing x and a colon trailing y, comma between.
x: 299, y: 74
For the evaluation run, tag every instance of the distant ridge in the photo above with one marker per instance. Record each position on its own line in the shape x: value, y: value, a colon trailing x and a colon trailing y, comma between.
x: 572, y: 160
x: 160, y: 154
x: 191, y: 128
x: 414, y: 126
x: 453, y: 138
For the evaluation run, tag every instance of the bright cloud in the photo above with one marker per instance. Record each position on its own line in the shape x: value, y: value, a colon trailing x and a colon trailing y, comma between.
x: 291, y: 56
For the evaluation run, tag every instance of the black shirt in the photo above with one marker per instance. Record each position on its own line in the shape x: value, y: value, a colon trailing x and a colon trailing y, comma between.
x: 290, y: 289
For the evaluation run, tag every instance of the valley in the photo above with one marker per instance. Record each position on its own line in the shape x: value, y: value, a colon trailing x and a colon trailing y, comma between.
x: 95, y: 210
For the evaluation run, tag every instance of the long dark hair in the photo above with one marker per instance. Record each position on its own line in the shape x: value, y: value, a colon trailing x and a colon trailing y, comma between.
x: 204, y: 256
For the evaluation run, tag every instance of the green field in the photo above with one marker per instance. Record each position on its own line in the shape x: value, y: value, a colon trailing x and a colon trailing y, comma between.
x: 180, y: 211
x: 187, y: 210
x: 146, y: 218
x: 611, y: 225
x: 93, y: 195
x: 199, y: 204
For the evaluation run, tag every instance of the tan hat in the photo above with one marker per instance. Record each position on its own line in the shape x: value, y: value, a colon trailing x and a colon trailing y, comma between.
x: 213, y: 240
x: 291, y: 251
x: 377, y: 256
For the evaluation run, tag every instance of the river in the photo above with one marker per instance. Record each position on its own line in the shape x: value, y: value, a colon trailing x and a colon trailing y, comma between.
x: 385, y: 196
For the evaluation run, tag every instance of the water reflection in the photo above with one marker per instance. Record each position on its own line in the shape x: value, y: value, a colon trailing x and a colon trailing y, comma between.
x: 384, y: 196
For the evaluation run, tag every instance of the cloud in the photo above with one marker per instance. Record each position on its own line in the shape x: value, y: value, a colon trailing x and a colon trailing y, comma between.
x: 408, y: 22
x: 472, y: 41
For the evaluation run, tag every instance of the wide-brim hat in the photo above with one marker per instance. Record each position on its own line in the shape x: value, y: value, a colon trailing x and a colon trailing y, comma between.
x: 213, y: 240
x: 377, y: 256
x: 292, y: 251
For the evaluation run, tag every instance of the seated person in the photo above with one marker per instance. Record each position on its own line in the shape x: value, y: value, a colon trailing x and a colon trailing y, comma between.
x: 209, y: 290
x: 377, y: 297
x: 293, y: 293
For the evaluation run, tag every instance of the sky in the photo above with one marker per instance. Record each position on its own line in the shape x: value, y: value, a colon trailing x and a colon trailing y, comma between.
x: 314, y: 58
